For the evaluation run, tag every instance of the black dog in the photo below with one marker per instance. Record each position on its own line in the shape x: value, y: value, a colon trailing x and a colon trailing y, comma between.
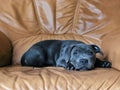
x: 70, y: 54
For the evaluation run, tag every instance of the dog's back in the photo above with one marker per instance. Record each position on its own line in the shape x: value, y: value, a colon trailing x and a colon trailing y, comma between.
x: 45, y: 53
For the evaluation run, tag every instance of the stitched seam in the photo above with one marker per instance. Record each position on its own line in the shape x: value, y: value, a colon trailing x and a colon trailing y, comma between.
x: 75, y: 16
x: 36, y: 14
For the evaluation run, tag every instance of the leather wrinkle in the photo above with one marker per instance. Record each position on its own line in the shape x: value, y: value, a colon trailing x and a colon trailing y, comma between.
x: 75, y: 15
x: 58, y: 78
x: 117, y: 78
x: 101, y: 85
x: 37, y: 13
x: 84, y: 19
x: 43, y: 80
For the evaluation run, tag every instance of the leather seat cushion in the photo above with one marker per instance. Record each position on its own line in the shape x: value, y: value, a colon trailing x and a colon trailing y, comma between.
x: 50, y: 78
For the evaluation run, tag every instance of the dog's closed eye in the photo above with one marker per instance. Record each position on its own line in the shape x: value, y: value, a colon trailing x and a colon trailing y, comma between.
x: 90, y: 52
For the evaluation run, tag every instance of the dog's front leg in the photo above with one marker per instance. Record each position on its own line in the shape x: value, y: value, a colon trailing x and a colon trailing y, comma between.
x: 103, y: 64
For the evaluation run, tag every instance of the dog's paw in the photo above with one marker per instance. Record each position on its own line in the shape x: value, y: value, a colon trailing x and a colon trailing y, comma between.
x: 70, y: 66
x: 106, y: 64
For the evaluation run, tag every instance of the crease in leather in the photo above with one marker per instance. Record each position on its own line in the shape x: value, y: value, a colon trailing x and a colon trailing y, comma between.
x: 45, y: 14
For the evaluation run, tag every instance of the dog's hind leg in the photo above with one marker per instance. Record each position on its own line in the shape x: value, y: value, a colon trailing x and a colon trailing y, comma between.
x: 33, y: 57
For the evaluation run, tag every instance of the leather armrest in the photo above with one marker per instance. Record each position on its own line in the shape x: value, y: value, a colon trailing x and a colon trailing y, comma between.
x: 5, y: 50
x: 111, y: 47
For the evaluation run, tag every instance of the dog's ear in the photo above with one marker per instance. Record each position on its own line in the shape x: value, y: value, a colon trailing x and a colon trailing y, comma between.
x: 64, y: 56
x: 65, y: 52
x: 97, y: 49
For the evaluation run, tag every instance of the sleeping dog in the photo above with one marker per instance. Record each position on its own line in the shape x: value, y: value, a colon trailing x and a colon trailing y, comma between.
x: 70, y: 54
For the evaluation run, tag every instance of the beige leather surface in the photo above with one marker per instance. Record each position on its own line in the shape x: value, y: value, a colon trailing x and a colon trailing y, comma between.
x: 111, y: 47
x: 25, y: 78
x: 26, y: 22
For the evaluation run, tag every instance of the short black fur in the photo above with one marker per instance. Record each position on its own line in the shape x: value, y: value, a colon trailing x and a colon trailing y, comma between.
x: 70, y: 54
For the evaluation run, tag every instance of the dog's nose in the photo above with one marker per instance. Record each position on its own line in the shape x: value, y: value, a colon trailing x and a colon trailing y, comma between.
x: 84, y: 61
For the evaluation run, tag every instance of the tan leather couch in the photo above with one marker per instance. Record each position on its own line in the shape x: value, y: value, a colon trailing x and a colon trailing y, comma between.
x: 25, y: 22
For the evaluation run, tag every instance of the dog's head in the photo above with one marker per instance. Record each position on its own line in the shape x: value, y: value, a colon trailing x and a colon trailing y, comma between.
x: 83, y: 56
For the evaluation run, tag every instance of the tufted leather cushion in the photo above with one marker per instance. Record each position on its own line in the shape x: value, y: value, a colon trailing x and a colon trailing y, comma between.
x: 5, y: 50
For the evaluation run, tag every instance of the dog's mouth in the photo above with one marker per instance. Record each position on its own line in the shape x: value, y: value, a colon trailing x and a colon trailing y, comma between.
x: 82, y: 68
x: 79, y: 69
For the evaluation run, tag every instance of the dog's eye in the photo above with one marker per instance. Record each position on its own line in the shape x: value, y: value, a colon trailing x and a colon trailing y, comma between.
x: 90, y: 53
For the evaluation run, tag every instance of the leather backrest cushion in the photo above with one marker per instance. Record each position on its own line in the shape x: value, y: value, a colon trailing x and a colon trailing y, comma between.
x: 5, y: 50
x: 26, y: 18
